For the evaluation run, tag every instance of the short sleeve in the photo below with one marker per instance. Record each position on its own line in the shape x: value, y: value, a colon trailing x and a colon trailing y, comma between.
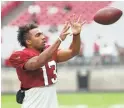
x: 18, y: 59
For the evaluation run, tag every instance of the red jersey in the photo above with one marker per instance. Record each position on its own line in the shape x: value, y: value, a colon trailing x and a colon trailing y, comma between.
x: 44, y: 76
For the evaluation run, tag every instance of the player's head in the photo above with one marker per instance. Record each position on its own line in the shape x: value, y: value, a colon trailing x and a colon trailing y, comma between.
x: 30, y: 36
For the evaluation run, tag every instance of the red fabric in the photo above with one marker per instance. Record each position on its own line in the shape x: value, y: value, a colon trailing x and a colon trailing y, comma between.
x: 7, y: 63
x: 35, y: 78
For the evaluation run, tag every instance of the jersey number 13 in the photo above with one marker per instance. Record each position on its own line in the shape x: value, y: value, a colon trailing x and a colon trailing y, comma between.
x: 50, y: 64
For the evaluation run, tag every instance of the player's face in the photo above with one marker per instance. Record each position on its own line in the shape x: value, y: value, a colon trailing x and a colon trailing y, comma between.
x: 37, y: 39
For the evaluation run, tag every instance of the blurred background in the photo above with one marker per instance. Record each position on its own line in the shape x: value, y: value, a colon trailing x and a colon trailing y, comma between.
x: 92, y: 79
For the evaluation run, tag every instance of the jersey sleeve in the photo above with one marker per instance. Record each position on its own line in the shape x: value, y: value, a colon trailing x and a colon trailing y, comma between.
x: 18, y: 59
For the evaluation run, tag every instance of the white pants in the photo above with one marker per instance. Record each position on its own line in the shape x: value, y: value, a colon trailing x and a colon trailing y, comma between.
x: 41, y: 97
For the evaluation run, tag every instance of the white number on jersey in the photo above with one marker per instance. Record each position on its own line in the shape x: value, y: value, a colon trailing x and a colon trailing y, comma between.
x: 50, y: 64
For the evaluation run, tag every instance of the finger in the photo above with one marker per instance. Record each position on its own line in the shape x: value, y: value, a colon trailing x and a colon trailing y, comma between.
x: 69, y: 20
x: 66, y: 29
x: 84, y: 22
x: 74, y: 18
x: 65, y: 25
x: 67, y: 33
x: 79, y: 19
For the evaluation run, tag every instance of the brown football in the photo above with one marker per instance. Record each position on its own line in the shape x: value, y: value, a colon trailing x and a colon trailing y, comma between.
x: 108, y: 15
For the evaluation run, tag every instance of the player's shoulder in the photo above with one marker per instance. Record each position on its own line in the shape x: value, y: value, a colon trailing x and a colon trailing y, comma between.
x: 16, y: 54
x: 19, y: 56
x: 19, y: 53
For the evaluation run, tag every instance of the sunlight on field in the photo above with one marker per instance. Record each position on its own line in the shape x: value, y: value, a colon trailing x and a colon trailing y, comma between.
x: 77, y: 100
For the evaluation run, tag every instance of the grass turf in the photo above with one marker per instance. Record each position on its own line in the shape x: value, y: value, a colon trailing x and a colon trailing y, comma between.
x: 92, y: 100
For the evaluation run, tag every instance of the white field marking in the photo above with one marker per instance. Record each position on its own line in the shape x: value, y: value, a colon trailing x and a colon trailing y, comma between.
x: 73, y: 106
x: 117, y: 106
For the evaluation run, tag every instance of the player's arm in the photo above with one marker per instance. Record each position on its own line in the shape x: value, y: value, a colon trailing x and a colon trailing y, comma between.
x: 38, y: 61
x: 63, y: 55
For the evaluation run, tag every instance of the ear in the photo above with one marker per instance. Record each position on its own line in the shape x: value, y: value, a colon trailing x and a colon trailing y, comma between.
x: 28, y: 42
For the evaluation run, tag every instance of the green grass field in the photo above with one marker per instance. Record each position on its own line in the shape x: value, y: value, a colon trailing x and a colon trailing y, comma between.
x: 77, y: 100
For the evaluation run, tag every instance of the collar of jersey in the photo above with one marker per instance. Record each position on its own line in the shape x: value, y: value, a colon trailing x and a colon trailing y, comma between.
x: 33, y: 50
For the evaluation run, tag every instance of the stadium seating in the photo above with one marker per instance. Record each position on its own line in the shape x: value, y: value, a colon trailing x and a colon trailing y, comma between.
x: 8, y: 6
x: 64, y: 10
x: 85, y: 8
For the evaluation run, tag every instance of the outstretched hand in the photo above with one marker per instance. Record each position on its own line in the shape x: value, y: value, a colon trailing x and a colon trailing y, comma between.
x: 65, y: 31
x: 76, y: 24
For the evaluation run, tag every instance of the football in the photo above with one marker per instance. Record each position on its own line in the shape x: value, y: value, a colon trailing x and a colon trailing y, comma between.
x: 108, y: 15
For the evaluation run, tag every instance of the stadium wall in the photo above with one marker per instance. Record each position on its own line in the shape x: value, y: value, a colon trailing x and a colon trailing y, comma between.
x: 98, y: 80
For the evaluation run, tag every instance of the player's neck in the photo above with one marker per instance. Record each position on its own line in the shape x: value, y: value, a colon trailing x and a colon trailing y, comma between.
x: 30, y: 47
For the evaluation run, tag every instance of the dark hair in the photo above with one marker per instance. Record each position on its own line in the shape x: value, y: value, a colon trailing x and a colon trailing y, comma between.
x: 23, y: 33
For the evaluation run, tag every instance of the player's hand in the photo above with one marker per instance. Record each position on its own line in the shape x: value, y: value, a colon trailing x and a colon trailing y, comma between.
x: 76, y: 24
x: 65, y: 31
